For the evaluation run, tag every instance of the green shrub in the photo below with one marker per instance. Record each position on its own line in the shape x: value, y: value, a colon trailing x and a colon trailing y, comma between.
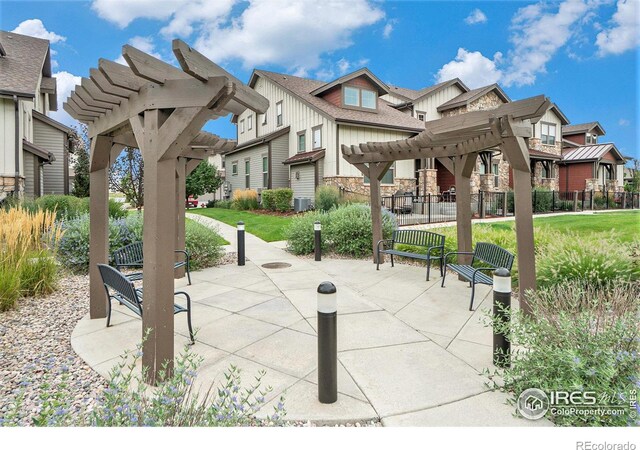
x: 9, y: 287
x: 38, y: 274
x: 598, y: 258
x: 350, y: 231
x: 283, y: 199
x: 244, y: 200
x: 300, y: 235
x: 224, y: 204
x: 579, y: 337
x: 203, y: 244
x: 117, y: 210
x: 66, y: 206
x: 542, y: 200
x: 327, y: 197
x: 268, y: 199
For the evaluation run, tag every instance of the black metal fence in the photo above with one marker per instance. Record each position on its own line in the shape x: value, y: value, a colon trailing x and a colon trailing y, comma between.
x: 411, y: 209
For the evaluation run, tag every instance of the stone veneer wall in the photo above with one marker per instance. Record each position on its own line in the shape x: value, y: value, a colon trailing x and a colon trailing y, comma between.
x: 356, y: 185
x: 7, y: 185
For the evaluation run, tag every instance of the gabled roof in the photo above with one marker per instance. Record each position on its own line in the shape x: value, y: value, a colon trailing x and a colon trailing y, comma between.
x: 412, y: 95
x: 382, y: 88
x: 40, y: 152
x: 560, y: 114
x: 49, y: 121
x: 385, y: 117
x: 472, y: 95
x: 259, y: 140
x: 583, y: 128
x: 567, y: 143
x: 305, y: 157
x: 591, y: 153
x: 27, y: 58
x: 537, y: 154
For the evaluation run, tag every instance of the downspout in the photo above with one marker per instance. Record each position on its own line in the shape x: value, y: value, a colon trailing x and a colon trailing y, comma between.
x: 16, y: 186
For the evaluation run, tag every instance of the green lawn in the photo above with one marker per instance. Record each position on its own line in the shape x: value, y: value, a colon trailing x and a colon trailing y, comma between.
x: 267, y: 228
x: 625, y: 224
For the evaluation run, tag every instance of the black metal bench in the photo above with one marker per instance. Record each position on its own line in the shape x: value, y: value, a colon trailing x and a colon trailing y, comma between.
x: 433, y: 242
x: 131, y: 256
x: 121, y: 289
x: 490, y: 254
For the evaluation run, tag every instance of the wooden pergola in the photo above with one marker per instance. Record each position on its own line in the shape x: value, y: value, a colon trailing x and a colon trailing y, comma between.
x: 160, y: 109
x: 456, y: 142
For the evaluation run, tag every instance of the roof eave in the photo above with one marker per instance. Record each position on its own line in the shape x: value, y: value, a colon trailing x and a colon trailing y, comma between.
x: 378, y: 125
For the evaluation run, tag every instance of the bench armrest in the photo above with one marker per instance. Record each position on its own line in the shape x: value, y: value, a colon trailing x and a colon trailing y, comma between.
x: 437, y: 247
x: 475, y: 271
x: 456, y: 253
x: 187, y: 296
x: 382, y: 242
x: 186, y: 255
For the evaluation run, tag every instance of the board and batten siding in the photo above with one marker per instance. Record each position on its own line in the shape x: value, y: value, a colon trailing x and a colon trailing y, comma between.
x: 254, y: 154
x: 279, y: 171
x: 295, y: 114
x: 7, y: 138
x: 429, y: 105
x: 52, y: 140
x: 303, y: 185
x: 548, y: 117
x: 350, y: 135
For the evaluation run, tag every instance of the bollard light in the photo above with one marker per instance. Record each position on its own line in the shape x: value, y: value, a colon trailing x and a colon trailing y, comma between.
x: 327, y: 343
x: 501, y: 308
x: 317, y: 229
x: 241, y: 257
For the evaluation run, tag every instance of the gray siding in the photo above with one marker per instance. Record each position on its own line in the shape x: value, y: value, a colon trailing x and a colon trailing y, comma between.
x: 53, y: 140
x: 254, y: 154
x: 279, y: 152
x: 29, y: 180
x: 320, y: 164
x: 305, y: 185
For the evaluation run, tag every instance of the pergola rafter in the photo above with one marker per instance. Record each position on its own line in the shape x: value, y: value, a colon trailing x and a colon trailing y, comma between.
x: 160, y: 109
x: 456, y: 142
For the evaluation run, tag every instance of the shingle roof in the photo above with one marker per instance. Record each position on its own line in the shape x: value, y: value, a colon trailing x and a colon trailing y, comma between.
x: 590, y: 152
x: 474, y: 94
x: 413, y: 95
x: 26, y: 59
x: 582, y: 128
x: 537, y: 154
x: 386, y: 116
x: 382, y: 88
x: 305, y: 157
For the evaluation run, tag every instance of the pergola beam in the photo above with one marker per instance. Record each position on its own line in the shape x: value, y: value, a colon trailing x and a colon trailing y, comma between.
x: 120, y: 76
x: 97, y: 94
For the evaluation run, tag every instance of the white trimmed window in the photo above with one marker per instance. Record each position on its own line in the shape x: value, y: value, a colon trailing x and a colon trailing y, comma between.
x: 242, y: 126
x: 265, y: 171
x: 302, y: 141
x: 359, y: 97
x: 234, y: 168
x: 250, y: 122
x: 317, y: 137
x: 548, y: 133
x: 247, y: 173
x: 278, y: 114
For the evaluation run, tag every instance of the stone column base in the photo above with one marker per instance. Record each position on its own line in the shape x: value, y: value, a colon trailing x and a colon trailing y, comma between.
x: 7, y: 185
x: 429, y: 181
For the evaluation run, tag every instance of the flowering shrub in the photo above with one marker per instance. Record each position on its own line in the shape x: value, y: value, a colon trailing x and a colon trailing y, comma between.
x: 128, y: 402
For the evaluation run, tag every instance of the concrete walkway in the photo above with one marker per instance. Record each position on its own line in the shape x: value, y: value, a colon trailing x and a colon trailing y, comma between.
x: 410, y: 352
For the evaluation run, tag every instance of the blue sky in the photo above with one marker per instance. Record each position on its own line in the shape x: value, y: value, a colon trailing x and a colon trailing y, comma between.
x: 583, y: 54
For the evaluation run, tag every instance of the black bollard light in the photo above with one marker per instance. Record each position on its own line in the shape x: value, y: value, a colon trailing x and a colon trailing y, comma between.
x: 327, y: 343
x: 501, y: 309
x: 317, y: 229
x: 241, y: 243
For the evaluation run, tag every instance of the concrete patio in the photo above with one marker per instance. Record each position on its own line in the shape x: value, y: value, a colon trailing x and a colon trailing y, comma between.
x: 410, y: 352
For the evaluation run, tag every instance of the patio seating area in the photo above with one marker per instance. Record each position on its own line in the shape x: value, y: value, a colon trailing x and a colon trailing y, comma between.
x: 409, y: 352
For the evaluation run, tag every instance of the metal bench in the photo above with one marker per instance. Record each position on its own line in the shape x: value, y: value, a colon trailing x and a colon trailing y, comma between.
x: 489, y: 254
x: 433, y: 242
x: 121, y: 289
x: 131, y: 256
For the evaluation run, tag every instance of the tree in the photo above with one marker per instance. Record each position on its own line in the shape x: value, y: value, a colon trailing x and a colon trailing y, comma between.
x: 80, y: 144
x: 634, y: 184
x: 126, y: 176
x: 204, y: 179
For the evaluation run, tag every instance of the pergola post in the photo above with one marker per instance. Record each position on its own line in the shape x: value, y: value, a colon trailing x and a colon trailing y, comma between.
x: 181, y: 195
x: 463, y: 167
x: 99, y: 222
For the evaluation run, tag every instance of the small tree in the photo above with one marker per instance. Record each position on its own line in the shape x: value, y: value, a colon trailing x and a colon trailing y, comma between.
x: 634, y: 184
x: 80, y: 145
x: 126, y: 176
x: 204, y: 179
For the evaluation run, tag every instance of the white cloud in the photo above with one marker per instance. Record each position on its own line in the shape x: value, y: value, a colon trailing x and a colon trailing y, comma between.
x: 473, y: 68
x: 66, y: 83
x: 624, y: 122
x: 476, y: 16
x: 537, y: 36
x: 388, y: 28
x: 625, y: 31
x: 142, y: 43
x: 123, y: 12
x: 295, y: 35
x: 330, y: 71
x: 35, y: 28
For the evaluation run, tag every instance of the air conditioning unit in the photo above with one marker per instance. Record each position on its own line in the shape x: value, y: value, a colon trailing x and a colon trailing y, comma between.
x: 301, y: 204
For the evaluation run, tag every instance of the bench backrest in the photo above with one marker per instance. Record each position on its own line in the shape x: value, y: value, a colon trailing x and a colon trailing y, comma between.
x: 418, y: 237
x: 124, y: 289
x: 129, y: 254
x: 493, y: 255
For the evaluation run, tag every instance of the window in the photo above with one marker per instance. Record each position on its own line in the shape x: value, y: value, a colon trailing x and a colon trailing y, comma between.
x: 317, y: 137
x: 247, y: 171
x: 496, y: 170
x: 265, y: 171
x: 592, y: 138
x: 386, y: 179
x: 359, y: 98
x: 234, y: 168
x: 548, y: 133
x: 279, y: 114
x: 250, y: 122
x: 302, y: 141
x: 242, y: 126
x: 420, y: 115
x: 545, y: 171
x: 264, y: 119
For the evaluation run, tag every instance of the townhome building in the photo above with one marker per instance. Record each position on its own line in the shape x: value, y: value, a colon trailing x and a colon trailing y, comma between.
x: 34, y: 148
x: 588, y: 164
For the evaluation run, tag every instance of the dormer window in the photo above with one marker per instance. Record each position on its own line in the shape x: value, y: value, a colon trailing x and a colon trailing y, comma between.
x: 548, y: 133
x: 592, y: 138
x: 359, y: 97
